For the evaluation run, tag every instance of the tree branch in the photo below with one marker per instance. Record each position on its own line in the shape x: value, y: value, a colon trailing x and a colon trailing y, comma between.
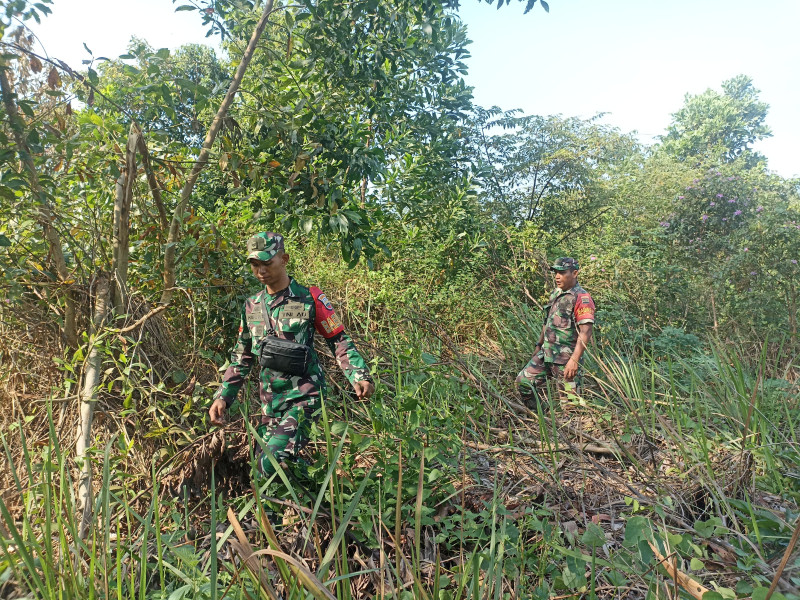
x: 45, y: 216
x: 202, y: 159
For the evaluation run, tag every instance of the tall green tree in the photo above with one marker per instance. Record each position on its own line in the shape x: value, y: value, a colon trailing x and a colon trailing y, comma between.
x: 552, y: 170
x: 338, y: 97
x: 169, y: 94
x: 715, y: 127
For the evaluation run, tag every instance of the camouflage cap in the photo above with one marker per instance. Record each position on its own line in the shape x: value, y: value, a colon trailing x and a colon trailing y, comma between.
x: 263, y: 246
x: 565, y: 263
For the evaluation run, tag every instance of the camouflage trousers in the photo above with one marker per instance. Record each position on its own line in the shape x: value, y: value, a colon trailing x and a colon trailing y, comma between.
x: 285, y: 434
x: 537, y: 376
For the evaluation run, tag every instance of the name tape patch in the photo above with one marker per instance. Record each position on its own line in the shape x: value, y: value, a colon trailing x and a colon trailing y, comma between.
x: 295, y: 311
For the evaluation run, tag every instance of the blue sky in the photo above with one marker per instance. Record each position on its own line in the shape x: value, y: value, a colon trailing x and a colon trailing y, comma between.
x: 633, y: 59
x: 636, y: 59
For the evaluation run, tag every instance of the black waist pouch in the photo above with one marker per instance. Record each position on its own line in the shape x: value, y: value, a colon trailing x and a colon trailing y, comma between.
x: 285, y: 356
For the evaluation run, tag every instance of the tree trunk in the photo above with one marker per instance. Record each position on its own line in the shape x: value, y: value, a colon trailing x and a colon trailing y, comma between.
x: 202, y: 159
x: 122, y: 222
x: 91, y: 378
x: 155, y: 190
x: 45, y: 216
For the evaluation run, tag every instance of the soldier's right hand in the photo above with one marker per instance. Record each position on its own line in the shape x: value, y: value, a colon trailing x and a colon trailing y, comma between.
x: 217, y: 412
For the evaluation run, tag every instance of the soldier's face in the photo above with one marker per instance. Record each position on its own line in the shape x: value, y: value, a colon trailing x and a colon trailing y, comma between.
x: 566, y: 280
x: 270, y: 271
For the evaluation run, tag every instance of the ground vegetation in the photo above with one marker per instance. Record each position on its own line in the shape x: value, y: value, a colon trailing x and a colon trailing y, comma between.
x: 430, y: 221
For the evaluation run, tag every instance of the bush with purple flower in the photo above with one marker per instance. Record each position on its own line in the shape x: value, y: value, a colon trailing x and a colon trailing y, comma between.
x: 709, y: 212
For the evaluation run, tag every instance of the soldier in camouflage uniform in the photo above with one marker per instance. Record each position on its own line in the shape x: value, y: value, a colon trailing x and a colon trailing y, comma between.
x: 290, y: 311
x: 569, y: 320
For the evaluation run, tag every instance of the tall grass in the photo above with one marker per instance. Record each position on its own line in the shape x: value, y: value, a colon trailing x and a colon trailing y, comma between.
x: 399, y: 502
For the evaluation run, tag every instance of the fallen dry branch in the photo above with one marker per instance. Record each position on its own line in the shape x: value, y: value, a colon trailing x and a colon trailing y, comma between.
x: 695, y: 588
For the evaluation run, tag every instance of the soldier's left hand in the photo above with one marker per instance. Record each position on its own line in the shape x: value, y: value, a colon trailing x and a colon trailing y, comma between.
x: 570, y: 370
x: 364, y: 389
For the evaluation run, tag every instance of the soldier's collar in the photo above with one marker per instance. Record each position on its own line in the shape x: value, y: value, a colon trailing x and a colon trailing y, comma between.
x: 287, y: 292
x: 290, y: 291
x: 572, y: 290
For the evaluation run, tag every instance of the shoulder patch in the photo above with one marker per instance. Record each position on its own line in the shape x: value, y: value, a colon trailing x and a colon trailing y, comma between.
x: 586, y: 300
x: 325, y: 302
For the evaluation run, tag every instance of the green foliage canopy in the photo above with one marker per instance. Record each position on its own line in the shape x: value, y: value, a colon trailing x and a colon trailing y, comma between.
x: 714, y: 128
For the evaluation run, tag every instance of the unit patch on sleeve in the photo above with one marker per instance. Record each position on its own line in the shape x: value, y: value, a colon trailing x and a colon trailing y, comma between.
x: 331, y: 324
x: 325, y: 302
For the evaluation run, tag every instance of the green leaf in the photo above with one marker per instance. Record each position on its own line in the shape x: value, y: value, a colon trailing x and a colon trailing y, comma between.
x: 7, y: 193
x: 616, y: 578
x: 26, y: 108
x: 185, y: 7
x: 645, y: 552
x: 289, y: 19
x: 744, y: 588
x: 638, y: 529
x: 182, y: 592
x: 573, y: 573
x: 594, y: 536
x: 4, y: 241
x: 760, y: 593
x: 431, y: 453
x: 674, y: 539
x: 706, y: 528
x: 696, y: 564
x: 409, y: 404
x: 569, y: 578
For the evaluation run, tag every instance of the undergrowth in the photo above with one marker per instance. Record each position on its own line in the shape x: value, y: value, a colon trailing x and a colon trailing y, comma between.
x: 441, y: 486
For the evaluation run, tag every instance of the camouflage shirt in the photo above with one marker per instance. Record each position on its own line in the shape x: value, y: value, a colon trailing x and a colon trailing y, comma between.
x: 564, y: 312
x: 295, y: 314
